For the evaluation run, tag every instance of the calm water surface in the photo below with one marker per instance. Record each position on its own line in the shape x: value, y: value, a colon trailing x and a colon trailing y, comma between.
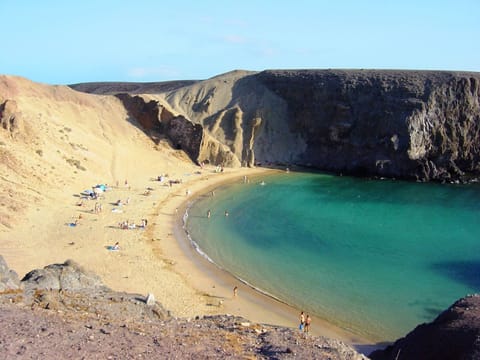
x: 375, y: 257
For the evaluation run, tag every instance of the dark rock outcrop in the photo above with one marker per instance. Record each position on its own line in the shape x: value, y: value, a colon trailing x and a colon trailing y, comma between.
x: 66, y: 276
x: 68, y: 286
x: 9, y: 116
x: 182, y: 133
x: 453, y: 335
x: 185, y: 135
x: 8, y: 278
x: 114, y: 87
x: 146, y: 113
x: 409, y: 124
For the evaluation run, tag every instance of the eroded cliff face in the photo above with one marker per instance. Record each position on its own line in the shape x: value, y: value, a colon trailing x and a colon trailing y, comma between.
x: 421, y: 125
x: 182, y: 133
x: 408, y: 124
x: 240, y: 116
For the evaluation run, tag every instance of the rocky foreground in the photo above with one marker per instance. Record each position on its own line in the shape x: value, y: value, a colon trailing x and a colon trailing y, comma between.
x: 62, y: 311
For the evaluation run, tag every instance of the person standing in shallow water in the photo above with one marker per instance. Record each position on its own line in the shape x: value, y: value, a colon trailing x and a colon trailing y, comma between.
x: 308, y: 321
x: 302, y: 321
x: 209, y: 213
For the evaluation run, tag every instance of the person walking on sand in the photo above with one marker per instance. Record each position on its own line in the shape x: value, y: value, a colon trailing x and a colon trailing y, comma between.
x: 308, y: 321
x: 235, y: 291
x: 302, y: 321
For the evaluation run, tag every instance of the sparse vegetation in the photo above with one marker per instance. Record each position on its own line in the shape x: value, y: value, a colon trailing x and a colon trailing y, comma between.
x: 76, y: 163
x: 78, y: 146
x: 39, y: 152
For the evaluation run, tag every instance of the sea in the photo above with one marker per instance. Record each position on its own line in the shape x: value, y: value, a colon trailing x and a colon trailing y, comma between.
x: 374, y: 257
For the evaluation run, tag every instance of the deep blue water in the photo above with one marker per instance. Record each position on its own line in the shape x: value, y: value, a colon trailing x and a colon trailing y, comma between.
x: 375, y: 257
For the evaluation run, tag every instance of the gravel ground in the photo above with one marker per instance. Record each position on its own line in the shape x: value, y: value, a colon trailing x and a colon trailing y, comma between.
x: 48, y: 334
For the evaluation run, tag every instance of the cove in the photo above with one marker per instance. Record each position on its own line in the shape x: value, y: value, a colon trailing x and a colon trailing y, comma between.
x: 375, y: 257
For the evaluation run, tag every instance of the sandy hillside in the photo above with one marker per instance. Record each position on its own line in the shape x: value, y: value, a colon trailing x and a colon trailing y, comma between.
x: 64, y: 142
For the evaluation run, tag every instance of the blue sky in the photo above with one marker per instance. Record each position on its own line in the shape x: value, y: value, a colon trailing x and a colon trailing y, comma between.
x: 65, y: 42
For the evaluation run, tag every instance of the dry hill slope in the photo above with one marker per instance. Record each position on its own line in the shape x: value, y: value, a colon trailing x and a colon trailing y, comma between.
x: 54, y: 139
x: 56, y: 142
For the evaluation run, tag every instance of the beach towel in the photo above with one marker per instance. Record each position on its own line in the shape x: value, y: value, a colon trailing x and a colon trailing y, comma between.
x: 102, y: 187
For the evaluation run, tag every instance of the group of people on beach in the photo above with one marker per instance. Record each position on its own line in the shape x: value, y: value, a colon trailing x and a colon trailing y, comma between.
x: 305, y: 322
x: 125, y: 225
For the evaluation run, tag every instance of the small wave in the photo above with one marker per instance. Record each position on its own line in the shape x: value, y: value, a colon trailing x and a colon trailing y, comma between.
x: 193, y: 242
x: 200, y: 251
x: 185, y: 217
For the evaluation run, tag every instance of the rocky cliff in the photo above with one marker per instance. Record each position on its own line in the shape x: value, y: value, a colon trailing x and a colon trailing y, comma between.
x: 421, y: 125
x: 453, y: 335
x: 409, y: 124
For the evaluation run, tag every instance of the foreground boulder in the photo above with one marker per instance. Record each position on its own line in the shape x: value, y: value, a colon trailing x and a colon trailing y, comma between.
x: 68, y: 286
x: 66, y: 276
x: 453, y: 335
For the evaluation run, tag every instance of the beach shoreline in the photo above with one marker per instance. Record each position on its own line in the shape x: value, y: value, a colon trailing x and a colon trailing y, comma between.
x: 217, y: 284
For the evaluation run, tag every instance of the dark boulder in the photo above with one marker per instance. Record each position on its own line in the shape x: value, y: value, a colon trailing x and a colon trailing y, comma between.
x: 453, y: 335
x: 66, y: 276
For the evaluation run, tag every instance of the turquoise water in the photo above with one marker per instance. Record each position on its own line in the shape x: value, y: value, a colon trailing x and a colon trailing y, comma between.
x: 375, y: 257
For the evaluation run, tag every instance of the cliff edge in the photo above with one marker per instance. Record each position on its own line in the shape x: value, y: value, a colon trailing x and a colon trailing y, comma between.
x: 417, y: 125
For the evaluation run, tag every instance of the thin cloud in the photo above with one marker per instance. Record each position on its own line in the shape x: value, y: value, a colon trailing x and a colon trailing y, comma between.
x: 148, y: 72
x: 234, y: 39
x: 236, y: 22
x: 268, y: 51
